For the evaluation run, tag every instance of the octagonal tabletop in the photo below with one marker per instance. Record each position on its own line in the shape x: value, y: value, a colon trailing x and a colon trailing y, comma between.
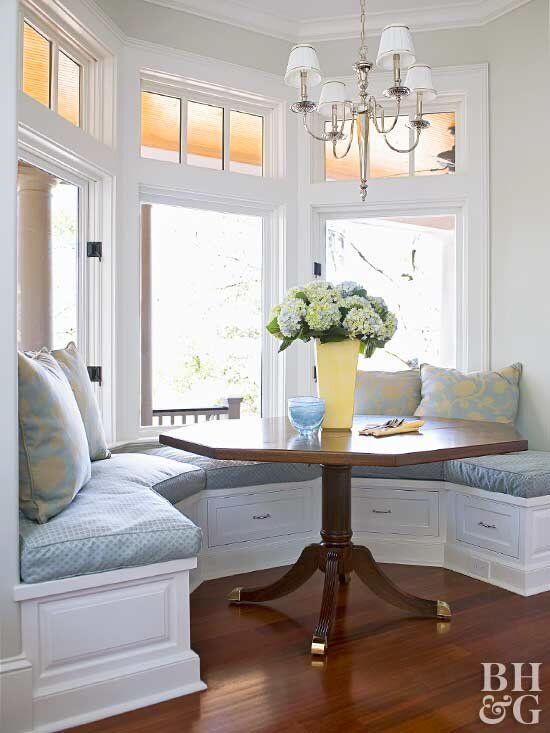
x: 274, y: 439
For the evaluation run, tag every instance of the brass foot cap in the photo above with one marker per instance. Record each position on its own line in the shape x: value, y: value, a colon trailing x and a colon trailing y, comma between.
x: 235, y: 595
x: 319, y: 646
x: 443, y: 610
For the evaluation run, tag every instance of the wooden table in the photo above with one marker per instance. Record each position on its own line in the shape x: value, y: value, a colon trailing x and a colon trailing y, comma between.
x: 274, y: 439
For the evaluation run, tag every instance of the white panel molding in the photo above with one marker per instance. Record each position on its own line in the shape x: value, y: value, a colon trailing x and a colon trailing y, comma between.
x: 135, y: 652
x: 421, y: 18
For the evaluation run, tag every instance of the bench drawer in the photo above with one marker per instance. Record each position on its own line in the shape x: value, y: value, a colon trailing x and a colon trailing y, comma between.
x: 257, y: 516
x: 396, y: 511
x: 487, y: 524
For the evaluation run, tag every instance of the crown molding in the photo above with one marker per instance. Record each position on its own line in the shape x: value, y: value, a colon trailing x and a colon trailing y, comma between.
x: 467, y: 13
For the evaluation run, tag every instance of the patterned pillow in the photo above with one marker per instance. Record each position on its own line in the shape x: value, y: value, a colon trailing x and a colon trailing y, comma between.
x: 76, y: 372
x: 491, y: 396
x: 387, y: 393
x: 54, y: 461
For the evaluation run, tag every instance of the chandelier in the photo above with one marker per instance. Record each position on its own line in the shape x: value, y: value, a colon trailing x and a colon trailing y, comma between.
x: 396, y: 52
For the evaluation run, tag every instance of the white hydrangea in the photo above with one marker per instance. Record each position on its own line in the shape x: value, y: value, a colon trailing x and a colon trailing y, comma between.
x: 389, y: 327
x: 347, y: 287
x: 363, y: 322
x: 353, y: 301
x: 322, y: 315
x: 318, y: 290
x: 290, y: 316
x: 379, y: 304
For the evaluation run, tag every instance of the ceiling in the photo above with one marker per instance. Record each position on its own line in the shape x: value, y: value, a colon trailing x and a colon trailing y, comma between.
x: 318, y: 20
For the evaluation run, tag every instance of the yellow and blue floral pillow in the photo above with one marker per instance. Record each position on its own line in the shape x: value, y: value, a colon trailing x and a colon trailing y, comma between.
x: 54, y: 459
x: 387, y: 393
x: 490, y: 396
x: 76, y: 372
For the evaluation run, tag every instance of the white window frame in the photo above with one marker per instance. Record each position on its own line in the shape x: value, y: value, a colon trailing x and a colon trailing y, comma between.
x: 273, y: 279
x: 95, y: 279
x: 267, y: 109
x: 464, y: 193
x: 97, y: 66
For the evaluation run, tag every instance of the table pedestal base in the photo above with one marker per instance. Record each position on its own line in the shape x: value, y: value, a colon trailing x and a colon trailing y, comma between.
x: 337, y: 557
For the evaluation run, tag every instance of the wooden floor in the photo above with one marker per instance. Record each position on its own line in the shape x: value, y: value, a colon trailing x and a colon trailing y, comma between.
x: 385, y: 671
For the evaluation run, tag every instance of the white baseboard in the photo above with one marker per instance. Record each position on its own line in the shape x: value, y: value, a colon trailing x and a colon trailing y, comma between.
x: 63, y: 710
x: 16, y: 695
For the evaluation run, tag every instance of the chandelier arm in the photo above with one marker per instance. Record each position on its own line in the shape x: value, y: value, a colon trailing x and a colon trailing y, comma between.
x: 408, y: 150
x: 324, y: 138
x: 329, y: 136
x: 373, y: 109
x: 348, y: 147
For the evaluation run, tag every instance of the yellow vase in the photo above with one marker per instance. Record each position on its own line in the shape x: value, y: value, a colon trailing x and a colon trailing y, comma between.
x: 336, y: 374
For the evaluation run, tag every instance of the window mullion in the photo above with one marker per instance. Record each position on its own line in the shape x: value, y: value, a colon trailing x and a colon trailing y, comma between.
x: 226, y: 134
x: 54, y: 66
x: 183, y: 130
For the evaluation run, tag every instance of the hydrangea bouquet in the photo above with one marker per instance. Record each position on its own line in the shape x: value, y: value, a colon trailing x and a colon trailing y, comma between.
x: 331, y: 313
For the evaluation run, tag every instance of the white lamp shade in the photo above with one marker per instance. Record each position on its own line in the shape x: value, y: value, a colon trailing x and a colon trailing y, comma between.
x: 332, y: 92
x: 419, y: 79
x: 303, y: 58
x: 396, y: 38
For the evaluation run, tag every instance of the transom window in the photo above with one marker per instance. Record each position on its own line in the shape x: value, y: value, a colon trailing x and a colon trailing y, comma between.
x: 434, y: 155
x: 51, y: 74
x: 203, y: 134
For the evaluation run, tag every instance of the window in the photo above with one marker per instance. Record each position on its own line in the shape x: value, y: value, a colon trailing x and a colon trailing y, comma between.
x: 202, y: 309
x: 160, y: 127
x: 68, y: 88
x: 205, y: 135
x: 51, y: 75
x: 36, y: 65
x: 434, y: 155
x: 246, y: 143
x: 216, y: 135
x: 49, y: 259
x: 410, y: 262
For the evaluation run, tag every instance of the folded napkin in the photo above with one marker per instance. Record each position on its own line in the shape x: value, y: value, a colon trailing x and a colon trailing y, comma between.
x: 384, y: 429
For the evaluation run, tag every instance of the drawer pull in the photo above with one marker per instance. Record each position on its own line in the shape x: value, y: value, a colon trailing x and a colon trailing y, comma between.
x: 261, y: 516
x: 381, y: 511
x: 487, y: 526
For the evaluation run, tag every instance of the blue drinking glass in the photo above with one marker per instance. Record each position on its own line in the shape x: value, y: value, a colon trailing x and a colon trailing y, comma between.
x: 306, y: 413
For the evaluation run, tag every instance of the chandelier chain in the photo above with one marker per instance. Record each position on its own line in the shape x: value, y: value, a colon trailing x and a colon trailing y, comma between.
x: 363, y: 47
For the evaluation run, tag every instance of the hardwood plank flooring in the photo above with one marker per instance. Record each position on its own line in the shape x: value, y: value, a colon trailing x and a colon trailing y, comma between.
x: 386, y: 672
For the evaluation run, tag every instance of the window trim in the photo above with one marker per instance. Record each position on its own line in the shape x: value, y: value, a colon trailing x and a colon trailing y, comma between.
x: 227, y: 101
x: 96, y: 223
x: 273, y: 393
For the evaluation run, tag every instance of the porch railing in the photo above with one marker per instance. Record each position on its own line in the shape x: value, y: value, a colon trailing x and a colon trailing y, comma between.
x: 231, y: 411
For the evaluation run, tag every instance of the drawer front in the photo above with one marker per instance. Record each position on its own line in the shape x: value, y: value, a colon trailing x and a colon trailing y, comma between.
x: 257, y: 516
x: 396, y: 511
x: 487, y: 524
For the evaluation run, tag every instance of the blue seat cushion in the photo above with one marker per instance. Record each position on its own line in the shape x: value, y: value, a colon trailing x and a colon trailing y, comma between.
x: 231, y: 474
x: 420, y: 472
x: 525, y: 474
x: 115, y: 521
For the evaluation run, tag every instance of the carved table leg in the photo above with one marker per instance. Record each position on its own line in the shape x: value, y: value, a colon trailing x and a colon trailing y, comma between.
x: 299, y: 573
x: 337, y: 557
x: 319, y: 643
x: 374, y: 578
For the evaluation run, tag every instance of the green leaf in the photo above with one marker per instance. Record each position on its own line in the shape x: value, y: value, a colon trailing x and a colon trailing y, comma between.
x: 273, y: 328
x: 286, y: 343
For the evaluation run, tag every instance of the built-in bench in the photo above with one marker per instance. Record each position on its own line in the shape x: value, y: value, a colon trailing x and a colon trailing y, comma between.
x: 105, y: 597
